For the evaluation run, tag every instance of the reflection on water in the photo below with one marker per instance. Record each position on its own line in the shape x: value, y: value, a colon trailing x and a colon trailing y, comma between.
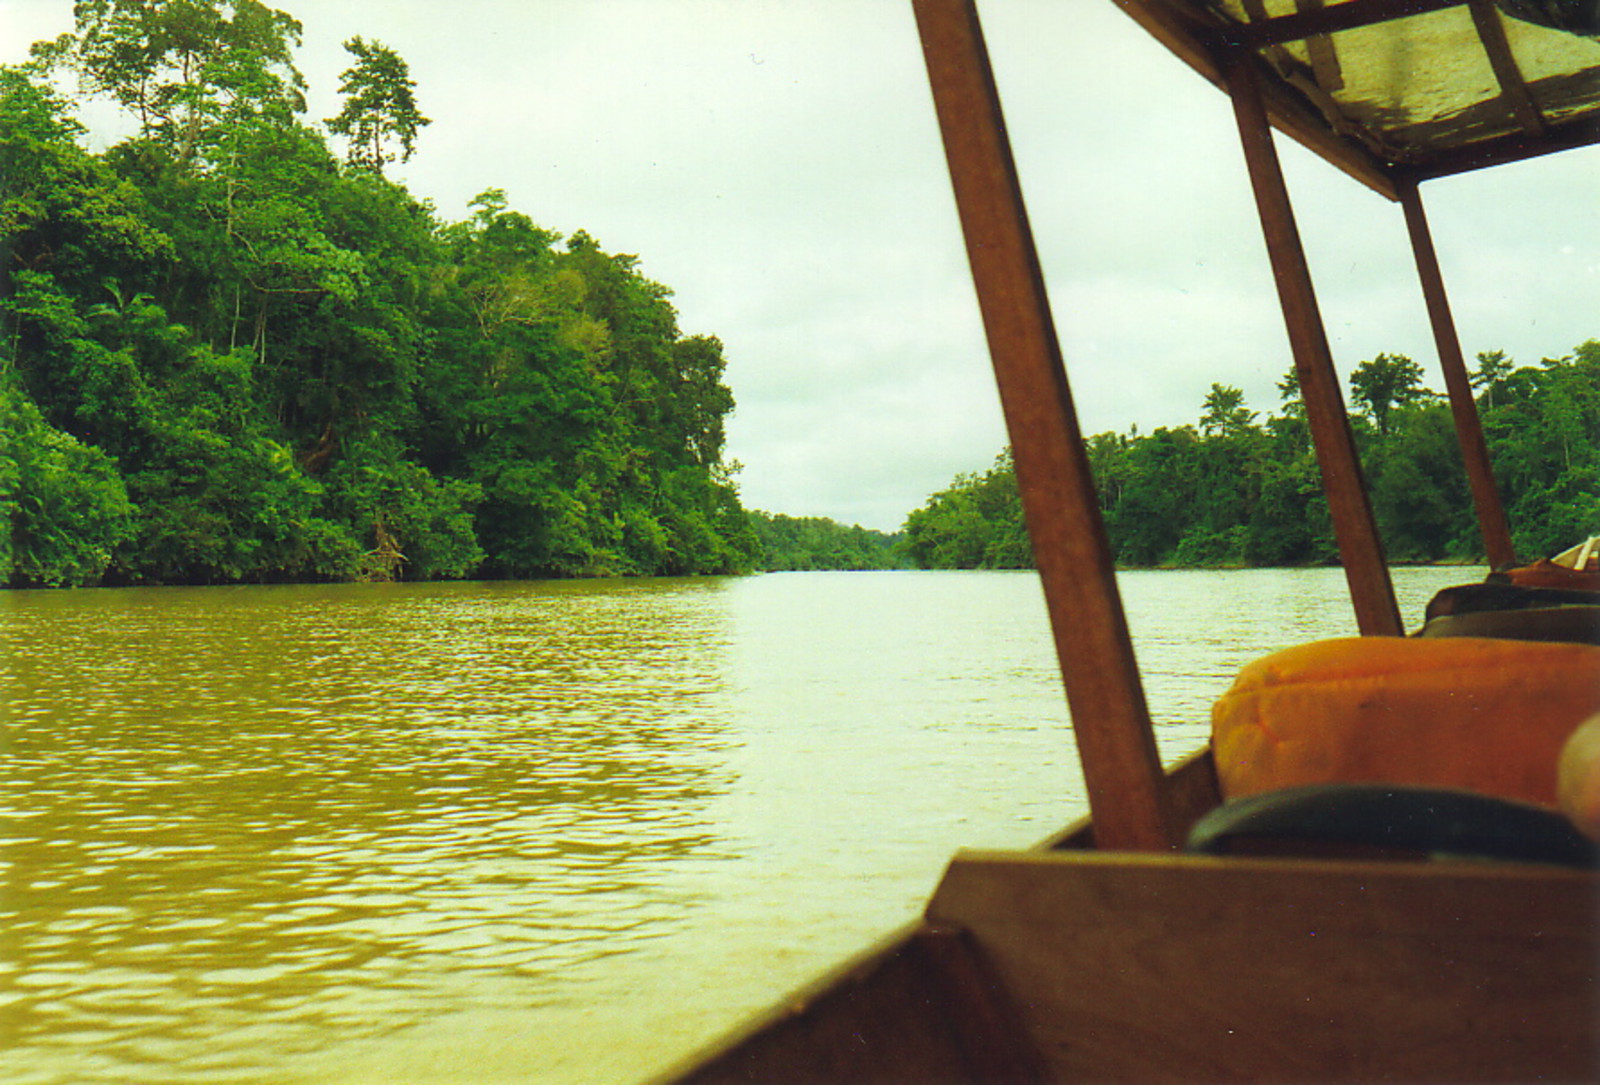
x: 239, y: 822
x: 548, y: 832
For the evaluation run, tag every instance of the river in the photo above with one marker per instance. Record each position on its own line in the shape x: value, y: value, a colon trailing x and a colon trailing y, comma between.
x: 556, y: 833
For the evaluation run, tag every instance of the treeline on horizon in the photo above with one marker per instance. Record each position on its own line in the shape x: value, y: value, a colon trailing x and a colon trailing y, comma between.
x: 229, y: 354
x: 812, y: 543
x: 1237, y: 491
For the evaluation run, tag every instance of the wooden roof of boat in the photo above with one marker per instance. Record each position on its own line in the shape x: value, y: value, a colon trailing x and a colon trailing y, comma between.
x: 1400, y: 91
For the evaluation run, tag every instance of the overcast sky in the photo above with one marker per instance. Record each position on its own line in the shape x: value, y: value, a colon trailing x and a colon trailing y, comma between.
x: 777, y: 164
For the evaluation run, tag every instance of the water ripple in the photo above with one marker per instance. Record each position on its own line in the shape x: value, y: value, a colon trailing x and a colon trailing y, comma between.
x: 345, y: 833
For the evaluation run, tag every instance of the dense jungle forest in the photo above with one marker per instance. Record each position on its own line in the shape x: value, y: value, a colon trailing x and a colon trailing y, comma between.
x: 229, y: 353
x: 232, y: 349
x: 809, y: 543
x: 1235, y: 491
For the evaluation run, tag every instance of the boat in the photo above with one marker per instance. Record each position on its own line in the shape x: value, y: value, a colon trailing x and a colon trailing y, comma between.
x: 1368, y: 873
x: 1582, y: 558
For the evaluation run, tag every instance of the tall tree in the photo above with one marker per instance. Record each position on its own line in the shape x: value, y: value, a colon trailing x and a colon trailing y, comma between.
x: 1294, y: 404
x: 182, y: 67
x: 380, y: 106
x: 1494, y: 366
x: 1224, y: 411
x: 1385, y: 382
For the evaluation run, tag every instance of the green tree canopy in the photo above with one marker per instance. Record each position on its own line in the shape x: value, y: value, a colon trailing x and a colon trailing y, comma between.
x: 807, y: 543
x: 185, y: 68
x: 1386, y: 382
x: 380, y: 106
x: 1493, y: 368
x: 1235, y: 492
x: 267, y: 365
x: 1224, y: 412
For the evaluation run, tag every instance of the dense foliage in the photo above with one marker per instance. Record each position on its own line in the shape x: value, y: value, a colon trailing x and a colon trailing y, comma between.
x: 974, y: 523
x: 1235, y: 491
x: 803, y: 543
x: 226, y: 354
x: 229, y: 353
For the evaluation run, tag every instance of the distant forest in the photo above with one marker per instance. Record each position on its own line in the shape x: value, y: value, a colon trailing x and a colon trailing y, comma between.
x: 232, y: 350
x: 1237, y: 491
x: 228, y: 353
x: 804, y: 543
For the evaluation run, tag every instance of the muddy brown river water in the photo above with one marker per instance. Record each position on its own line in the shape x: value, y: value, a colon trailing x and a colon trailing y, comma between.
x: 542, y: 832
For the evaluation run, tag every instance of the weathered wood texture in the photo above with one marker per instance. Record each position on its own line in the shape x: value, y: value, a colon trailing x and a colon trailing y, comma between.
x: 1192, y: 788
x: 1132, y: 968
x: 1121, y: 768
x: 1204, y: 44
x: 1355, y: 529
x: 926, y: 1008
x: 1315, y: 20
x: 1513, y: 89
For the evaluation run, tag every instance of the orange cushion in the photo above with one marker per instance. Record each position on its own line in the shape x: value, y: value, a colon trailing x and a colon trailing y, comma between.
x: 1487, y: 715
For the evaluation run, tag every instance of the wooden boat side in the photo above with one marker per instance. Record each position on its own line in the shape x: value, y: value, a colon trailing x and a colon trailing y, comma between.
x: 922, y: 1006
x: 1131, y: 967
x: 1191, y: 789
x: 1063, y: 963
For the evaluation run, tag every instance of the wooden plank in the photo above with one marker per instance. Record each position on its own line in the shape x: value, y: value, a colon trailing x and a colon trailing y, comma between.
x: 867, y: 1020
x: 1329, y: 20
x: 1492, y: 523
x: 1518, y: 147
x: 1492, y: 33
x: 1196, y: 44
x: 1134, y: 968
x: 1360, y: 549
x: 1121, y: 767
x: 978, y: 1009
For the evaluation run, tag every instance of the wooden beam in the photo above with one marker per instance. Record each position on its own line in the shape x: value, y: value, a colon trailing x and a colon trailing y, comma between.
x: 1202, y: 47
x: 1329, y: 20
x: 1116, y: 746
x: 1469, y: 429
x: 1517, y: 147
x: 1360, y: 548
x: 1192, y: 791
x: 1326, y: 70
x: 1492, y: 33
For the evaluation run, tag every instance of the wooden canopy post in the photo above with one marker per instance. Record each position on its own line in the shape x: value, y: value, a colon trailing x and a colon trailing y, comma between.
x: 1469, y: 429
x: 1121, y: 767
x: 1360, y: 549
